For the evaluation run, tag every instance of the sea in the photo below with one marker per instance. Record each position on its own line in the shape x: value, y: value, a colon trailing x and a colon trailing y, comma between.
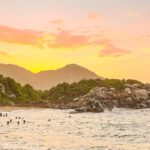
x: 53, y: 129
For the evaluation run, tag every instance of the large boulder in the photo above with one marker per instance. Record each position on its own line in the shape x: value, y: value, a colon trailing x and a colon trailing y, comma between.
x: 133, y: 86
x: 128, y: 91
x: 98, y: 92
x: 148, y: 92
x: 141, y: 94
x: 143, y: 105
x: 129, y: 101
x: 91, y: 106
x: 112, y: 89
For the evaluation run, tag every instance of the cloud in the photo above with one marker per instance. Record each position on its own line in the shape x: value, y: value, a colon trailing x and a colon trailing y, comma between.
x: 63, y: 39
x: 111, y: 50
x: 12, y: 35
x: 4, y: 54
x: 68, y: 40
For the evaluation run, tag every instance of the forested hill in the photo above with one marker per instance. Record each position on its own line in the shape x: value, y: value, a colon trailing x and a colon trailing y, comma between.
x: 67, y: 92
x: 13, y: 92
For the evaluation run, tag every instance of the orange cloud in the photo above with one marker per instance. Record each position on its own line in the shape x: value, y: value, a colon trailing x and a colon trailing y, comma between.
x: 112, y: 50
x: 66, y: 39
x: 12, y: 35
x: 62, y: 40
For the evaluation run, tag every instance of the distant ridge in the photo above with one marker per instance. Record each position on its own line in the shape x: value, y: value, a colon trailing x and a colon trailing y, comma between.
x: 46, y: 79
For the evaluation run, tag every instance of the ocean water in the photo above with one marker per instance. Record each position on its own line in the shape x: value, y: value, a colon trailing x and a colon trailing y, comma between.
x: 121, y: 129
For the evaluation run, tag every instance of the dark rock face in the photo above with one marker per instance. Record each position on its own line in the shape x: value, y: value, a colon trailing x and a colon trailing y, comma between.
x: 101, y: 98
x: 92, y: 106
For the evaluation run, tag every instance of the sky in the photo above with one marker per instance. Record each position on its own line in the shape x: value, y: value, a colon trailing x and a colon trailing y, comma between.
x: 109, y: 37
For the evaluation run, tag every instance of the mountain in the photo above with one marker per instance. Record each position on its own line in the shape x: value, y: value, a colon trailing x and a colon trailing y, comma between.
x: 46, y: 79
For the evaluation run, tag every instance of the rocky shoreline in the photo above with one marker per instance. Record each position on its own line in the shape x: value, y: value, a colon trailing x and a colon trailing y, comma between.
x: 135, y: 96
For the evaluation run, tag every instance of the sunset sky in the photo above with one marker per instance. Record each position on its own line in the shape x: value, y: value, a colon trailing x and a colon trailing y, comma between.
x: 109, y: 37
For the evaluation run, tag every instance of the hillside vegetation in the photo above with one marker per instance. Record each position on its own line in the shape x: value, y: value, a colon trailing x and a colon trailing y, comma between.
x: 65, y: 93
x: 13, y: 92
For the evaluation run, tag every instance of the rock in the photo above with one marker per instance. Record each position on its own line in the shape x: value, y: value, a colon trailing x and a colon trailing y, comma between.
x: 98, y: 107
x: 143, y: 105
x: 128, y: 85
x: 101, y: 98
x: 76, y: 99
x: 112, y: 89
x: 148, y: 92
x: 100, y: 93
x: 110, y: 93
x: 133, y: 86
x: 128, y: 90
x: 148, y: 103
x: 91, y: 106
x: 138, y: 106
x: 116, y: 103
x: 141, y: 94
x: 81, y: 109
x: 129, y: 100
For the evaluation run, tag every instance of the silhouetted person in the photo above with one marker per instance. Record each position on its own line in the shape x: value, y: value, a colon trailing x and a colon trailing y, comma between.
x: 24, y: 121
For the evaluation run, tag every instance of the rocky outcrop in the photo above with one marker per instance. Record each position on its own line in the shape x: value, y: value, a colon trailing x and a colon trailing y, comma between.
x: 101, y: 98
x: 91, y: 106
